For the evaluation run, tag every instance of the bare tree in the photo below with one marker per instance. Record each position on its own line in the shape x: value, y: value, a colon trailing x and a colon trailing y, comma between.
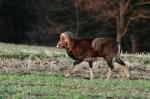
x: 124, y: 12
x: 121, y: 10
x: 77, y: 2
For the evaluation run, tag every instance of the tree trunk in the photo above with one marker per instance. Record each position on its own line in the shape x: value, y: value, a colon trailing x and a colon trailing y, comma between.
x: 133, y: 43
x: 77, y: 18
x: 118, y: 38
x: 119, y: 21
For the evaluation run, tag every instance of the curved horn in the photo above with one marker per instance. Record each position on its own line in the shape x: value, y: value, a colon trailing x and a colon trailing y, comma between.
x: 70, y: 34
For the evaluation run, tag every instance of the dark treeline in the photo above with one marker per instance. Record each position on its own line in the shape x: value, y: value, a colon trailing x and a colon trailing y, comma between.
x: 41, y: 21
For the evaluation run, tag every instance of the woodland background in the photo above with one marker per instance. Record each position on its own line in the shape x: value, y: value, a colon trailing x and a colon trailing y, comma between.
x: 40, y: 22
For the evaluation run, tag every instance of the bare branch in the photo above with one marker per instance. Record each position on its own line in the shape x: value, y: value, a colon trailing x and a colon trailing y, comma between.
x: 123, y: 6
x: 131, y: 19
x: 127, y: 4
x: 138, y: 4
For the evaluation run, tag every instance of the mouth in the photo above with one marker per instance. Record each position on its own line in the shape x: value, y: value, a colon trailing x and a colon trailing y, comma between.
x: 57, y: 47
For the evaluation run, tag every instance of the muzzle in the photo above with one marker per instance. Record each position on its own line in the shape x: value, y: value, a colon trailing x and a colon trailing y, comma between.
x: 60, y: 45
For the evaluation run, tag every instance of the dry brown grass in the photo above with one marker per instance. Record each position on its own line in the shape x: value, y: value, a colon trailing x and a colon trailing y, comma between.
x: 51, y: 65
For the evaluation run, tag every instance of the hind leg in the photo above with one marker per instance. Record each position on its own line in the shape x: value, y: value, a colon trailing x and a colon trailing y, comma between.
x: 124, y: 67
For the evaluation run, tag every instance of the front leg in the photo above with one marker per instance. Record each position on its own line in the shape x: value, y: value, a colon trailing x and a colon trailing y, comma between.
x: 90, y: 70
x: 71, y: 70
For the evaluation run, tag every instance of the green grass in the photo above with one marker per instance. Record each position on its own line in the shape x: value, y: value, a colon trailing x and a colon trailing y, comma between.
x: 47, y: 86
x: 25, y: 51
x: 33, y: 72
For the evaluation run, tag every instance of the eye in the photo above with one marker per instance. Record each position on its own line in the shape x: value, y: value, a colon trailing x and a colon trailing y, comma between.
x: 62, y: 38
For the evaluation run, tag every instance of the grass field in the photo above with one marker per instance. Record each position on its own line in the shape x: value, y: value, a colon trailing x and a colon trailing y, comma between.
x: 32, y: 72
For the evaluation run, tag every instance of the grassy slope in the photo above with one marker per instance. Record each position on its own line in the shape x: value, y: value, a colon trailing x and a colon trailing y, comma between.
x: 23, y: 78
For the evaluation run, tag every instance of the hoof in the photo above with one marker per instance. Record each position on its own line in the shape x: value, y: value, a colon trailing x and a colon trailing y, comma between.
x: 91, y: 78
x: 108, y: 78
x: 67, y: 75
x: 128, y: 78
